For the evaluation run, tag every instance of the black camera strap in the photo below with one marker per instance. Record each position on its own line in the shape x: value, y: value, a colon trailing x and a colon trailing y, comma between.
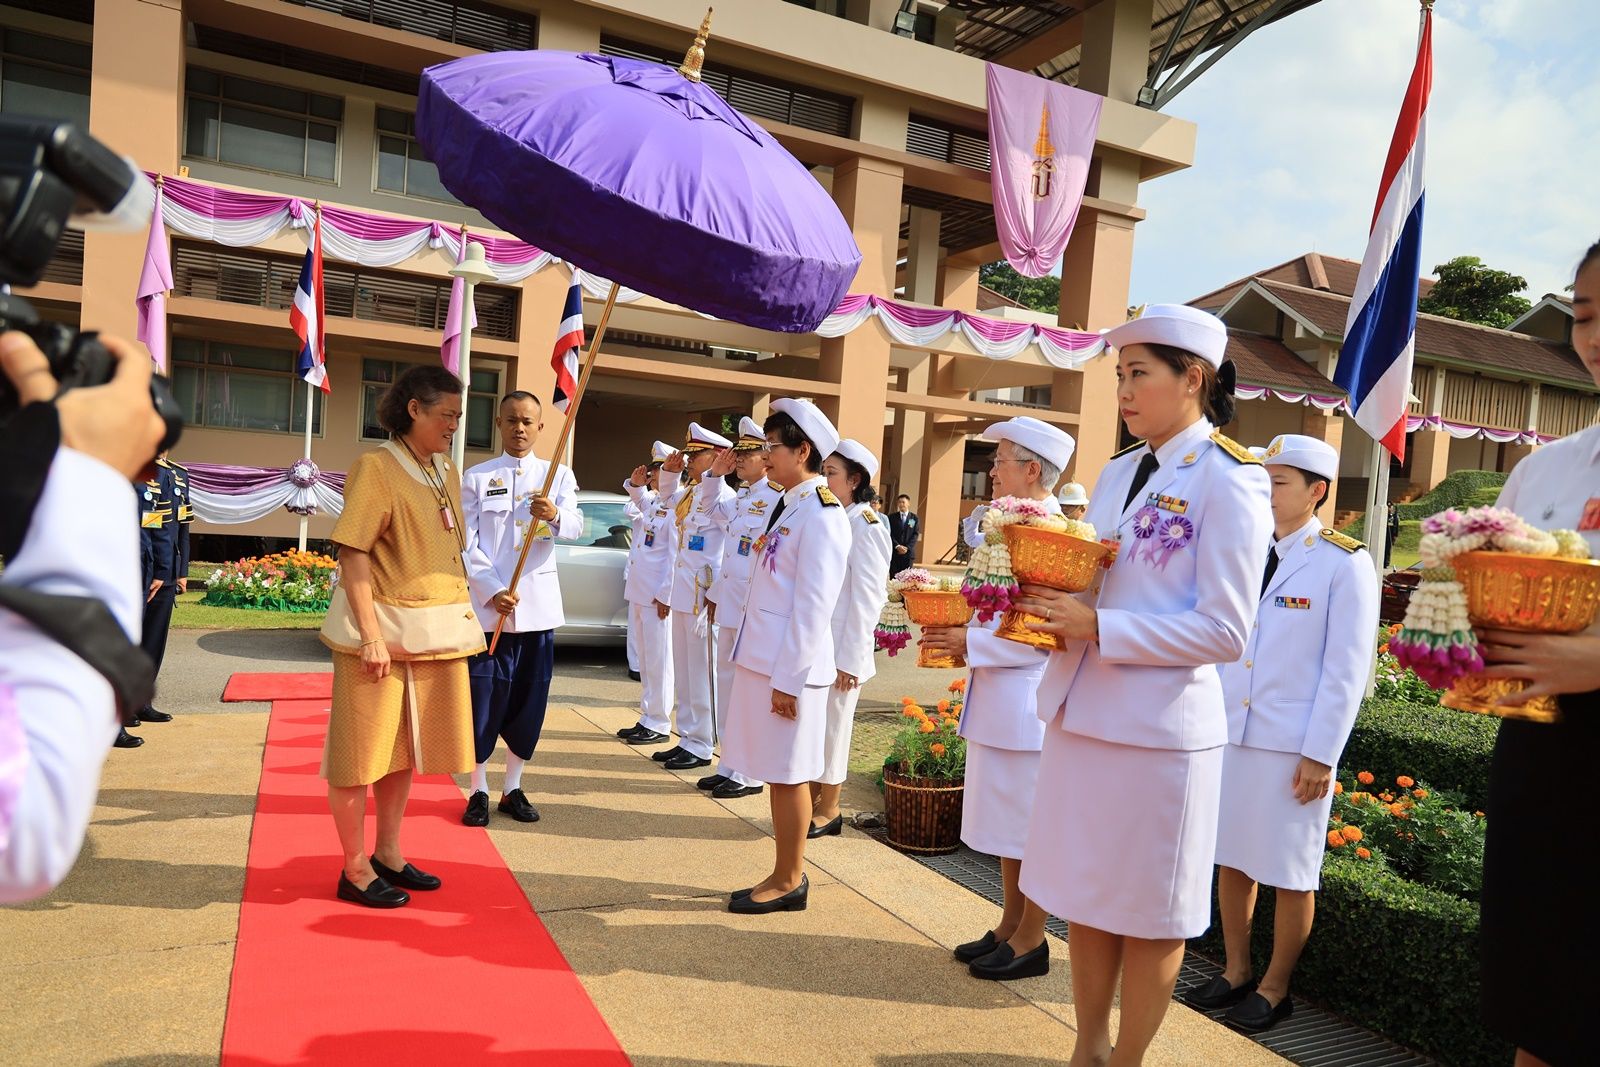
x: 31, y: 438
x: 85, y: 627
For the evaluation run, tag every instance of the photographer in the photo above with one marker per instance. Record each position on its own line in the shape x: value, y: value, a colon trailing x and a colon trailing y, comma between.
x: 57, y: 714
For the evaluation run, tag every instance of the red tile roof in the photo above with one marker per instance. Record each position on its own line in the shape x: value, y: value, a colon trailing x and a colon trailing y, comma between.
x: 988, y: 300
x: 1267, y: 361
x: 1310, y: 271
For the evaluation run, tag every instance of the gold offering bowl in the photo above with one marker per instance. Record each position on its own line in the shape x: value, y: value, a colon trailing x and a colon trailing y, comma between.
x: 1528, y: 594
x: 936, y: 607
x: 1049, y: 558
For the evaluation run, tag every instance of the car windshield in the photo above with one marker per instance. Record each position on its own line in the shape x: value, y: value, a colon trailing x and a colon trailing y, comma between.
x: 605, y: 525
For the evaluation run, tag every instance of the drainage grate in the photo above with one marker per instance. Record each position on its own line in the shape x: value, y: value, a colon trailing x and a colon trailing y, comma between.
x: 1311, y: 1037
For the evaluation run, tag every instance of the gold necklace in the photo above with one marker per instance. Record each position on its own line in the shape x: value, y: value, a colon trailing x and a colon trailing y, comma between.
x: 430, y: 477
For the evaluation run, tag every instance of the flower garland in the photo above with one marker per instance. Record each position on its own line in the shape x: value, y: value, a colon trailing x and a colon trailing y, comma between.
x: 990, y: 586
x: 1436, y: 640
x: 893, y: 631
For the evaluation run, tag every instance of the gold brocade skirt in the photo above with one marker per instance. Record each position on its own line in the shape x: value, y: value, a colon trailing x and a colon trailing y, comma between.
x: 419, y: 717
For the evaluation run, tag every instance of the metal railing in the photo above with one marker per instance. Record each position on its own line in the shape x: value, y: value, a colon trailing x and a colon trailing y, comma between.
x: 483, y: 26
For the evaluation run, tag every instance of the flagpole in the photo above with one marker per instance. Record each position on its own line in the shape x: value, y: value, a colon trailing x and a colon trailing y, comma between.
x: 564, y: 440
x: 469, y: 278
x: 311, y: 394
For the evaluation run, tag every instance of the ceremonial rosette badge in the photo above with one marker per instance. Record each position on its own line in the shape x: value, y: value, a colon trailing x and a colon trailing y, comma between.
x: 303, y: 475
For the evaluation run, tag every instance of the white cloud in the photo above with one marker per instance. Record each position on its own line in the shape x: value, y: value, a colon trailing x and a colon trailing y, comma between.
x: 1295, y: 123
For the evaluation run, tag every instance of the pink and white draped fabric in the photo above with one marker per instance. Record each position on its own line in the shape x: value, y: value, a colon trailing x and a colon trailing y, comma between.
x: 918, y: 326
x: 1041, y: 138
x: 226, y: 494
x: 1461, y: 431
x: 155, y: 281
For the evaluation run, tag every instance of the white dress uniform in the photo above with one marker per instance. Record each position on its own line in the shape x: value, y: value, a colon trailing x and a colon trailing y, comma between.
x: 743, y: 520
x: 496, y: 501
x: 56, y: 712
x: 650, y: 557
x: 866, y: 587
x: 697, y: 542
x: 1294, y: 693
x: 635, y: 519
x: 1124, y: 823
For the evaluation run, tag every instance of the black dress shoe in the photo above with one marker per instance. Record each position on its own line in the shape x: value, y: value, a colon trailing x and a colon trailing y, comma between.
x: 633, y: 676
x: 477, y: 813
x: 976, y: 950
x: 732, y: 790
x: 711, y: 781
x: 515, y: 804
x: 629, y: 731
x: 832, y: 828
x: 126, y: 740
x: 667, y: 753
x: 685, y: 761
x: 152, y: 715
x: 794, y: 900
x: 1217, y: 993
x: 378, y: 894
x: 1004, y: 965
x: 407, y: 877
x: 1256, y: 1014
x: 646, y: 736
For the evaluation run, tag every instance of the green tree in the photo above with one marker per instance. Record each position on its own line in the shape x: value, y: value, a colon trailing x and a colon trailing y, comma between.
x: 1469, y: 291
x: 1040, y: 294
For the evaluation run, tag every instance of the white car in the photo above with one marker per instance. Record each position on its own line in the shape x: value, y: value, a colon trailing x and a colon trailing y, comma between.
x: 590, y: 568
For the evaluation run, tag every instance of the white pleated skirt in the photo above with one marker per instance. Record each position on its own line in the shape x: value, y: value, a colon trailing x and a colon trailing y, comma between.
x: 1262, y: 829
x: 1123, y: 838
x: 768, y: 747
x: 998, y: 799
x: 836, y: 739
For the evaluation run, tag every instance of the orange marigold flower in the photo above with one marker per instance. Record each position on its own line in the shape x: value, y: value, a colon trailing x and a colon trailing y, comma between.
x: 1365, y: 777
x: 927, y: 727
x: 958, y: 686
x: 936, y: 748
x: 1338, y: 787
x: 1478, y: 814
x: 910, y: 711
x: 1335, y: 839
x: 1383, y: 649
x: 944, y: 706
x: 908, y: 700
x: 1351, y: 834
x: 1386, y: 796
x: 1420, y: 794
x: 1364, y: 853
x: 1405, y: 781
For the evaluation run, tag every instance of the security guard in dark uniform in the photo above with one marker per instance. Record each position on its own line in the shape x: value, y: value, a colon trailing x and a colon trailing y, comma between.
x: 157, y: 545
x: 166, y: 535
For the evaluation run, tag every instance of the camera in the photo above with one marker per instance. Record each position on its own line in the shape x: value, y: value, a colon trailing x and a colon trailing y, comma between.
x: 53, y: 173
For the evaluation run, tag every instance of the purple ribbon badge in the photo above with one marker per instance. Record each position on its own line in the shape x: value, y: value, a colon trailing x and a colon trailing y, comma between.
x: 1175, y: 532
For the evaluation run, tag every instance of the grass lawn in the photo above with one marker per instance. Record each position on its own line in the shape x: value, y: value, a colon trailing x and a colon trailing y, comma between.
x: 190, y: 614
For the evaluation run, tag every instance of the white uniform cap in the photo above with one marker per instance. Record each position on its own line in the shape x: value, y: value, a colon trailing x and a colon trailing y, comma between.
x: 857, y: 452
x: 1306, y: 453
x: 1257, y: 451
x: 1072, y: 493
x: 751, y: 436
x: 660, y: 452
x: 1050, y: 443
x: 817, y: 427
x: 1177, y: 325
x: 699, y: 439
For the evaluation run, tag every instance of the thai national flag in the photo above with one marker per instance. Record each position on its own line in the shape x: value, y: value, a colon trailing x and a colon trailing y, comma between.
x: 1380, y: 336
x: 569, y: 340
x: 306, y: 315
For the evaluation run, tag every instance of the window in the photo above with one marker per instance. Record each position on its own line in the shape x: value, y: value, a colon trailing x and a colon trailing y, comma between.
x: 402, y: 168
x: 44, y: 76
x: 605, y: 525
x: 378, y: 374
x: 240, y: 387
x: 266, y: 127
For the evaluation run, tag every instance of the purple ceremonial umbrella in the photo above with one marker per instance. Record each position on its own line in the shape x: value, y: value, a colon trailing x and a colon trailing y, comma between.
x: 637, y: 173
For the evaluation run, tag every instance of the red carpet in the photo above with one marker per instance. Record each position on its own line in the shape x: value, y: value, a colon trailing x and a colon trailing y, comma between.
x: 243, y: 687
x: 466, y: 974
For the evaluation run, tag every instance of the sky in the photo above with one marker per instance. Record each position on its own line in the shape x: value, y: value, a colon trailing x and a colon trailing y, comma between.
x: 1294, y: 125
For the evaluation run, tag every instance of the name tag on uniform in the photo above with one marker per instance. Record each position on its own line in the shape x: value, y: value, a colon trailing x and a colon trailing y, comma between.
x: 697, y: 543
x: 744, y: 544
x: 1299, y: 603
x: 649, y: 538
x: 1591, y: 515
x: 1168, y: 503
x: 502, y: 491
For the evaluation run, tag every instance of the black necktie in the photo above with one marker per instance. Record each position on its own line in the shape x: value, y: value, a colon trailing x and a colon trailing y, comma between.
x: 772, y: 520
x: 1272, y: 567
x: 1147, y: 467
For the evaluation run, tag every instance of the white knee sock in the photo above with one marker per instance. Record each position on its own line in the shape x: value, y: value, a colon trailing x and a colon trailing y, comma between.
x: 480, y: 778
x: 514, y: 765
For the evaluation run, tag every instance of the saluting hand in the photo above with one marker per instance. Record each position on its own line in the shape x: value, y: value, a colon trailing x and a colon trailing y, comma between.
x: 640, y: 474
x: 723, y: 465
x: 674, y: 463
x: 542, y: 508
x: 784, y: 705
x: 1311, y: 780
x: 1065, y: 615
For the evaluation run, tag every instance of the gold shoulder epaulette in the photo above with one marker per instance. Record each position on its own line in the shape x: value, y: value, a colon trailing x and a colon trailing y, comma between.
x: 1233, y: 448
x: 1344, y: 541
x: 871, y: 517
x: 776, y: 488
x: 1131, y: 448
x: 825, y: 495
x: 163, y: 463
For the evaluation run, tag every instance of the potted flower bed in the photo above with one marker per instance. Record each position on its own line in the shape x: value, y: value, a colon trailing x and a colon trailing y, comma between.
x: 284, y: 581
x: 924, y: 776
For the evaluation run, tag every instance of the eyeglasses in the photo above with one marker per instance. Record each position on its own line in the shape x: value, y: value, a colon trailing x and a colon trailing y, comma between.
x: 997, y: 460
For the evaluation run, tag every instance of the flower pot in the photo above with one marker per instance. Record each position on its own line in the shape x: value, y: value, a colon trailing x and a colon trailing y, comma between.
x: 923, y: 815
x: 934, y: 607
x: 1049, y: 558
x: 1528, y: 594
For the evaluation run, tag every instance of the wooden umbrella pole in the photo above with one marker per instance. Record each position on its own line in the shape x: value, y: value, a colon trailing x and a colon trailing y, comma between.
x: 561, y: 442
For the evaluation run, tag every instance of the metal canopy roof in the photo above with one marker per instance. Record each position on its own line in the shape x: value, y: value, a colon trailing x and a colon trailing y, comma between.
x: 1181, y: 35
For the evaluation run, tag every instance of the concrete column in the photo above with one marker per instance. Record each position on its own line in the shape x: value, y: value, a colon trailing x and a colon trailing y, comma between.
x: 1430, y: 460
x: 943, y: 458
x: 922, y: 287
x: 879, y: 14
x: 1324, y: 426
x: 945, y: 25
x: 544, y: 294
x: 958, y: 288
x: 868, y: 193
x: 1116, y: 48
x: 568, y: 28
x: 135, y: 106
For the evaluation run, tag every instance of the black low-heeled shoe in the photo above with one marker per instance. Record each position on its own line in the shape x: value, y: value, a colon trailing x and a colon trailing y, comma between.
x: 794, y: 900
x: 378, y: 894
x: 832, y: 828
x: 975, y: 950
x: 407, y: 877
x: 1256, y: 1014
x: 710, y: 782
x: 1004, y: 965
x: 1216, y: 994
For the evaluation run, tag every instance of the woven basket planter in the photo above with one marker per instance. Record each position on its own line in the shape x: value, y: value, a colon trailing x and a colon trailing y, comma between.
x: 923, y: 814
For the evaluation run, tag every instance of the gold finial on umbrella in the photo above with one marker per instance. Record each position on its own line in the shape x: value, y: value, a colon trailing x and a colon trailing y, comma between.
x: 696, y: 56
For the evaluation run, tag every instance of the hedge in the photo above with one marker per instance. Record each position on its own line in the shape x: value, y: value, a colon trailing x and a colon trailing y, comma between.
x: 1448, y: 749
x: 1463, y: 489
x: 1398, y: 957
